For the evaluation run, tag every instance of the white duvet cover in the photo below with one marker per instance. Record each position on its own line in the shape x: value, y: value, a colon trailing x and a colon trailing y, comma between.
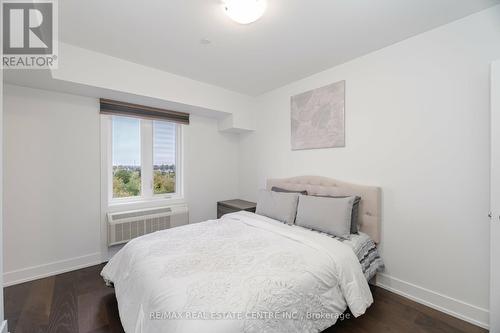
x: 242, y: 273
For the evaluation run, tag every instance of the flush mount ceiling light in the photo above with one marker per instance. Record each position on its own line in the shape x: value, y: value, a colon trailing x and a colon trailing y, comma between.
x: 244, y: 11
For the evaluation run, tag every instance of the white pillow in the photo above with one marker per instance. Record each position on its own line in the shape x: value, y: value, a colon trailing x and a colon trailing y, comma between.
x: 326, y: 214
x: 277, y: 205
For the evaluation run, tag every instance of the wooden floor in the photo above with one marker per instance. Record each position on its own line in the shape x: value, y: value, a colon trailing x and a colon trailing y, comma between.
x: 79, y: 302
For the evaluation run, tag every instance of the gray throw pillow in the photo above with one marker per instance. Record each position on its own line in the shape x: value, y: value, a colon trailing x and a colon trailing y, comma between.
x: 354, y: 214
x: 279, y: 189
x: 326, y: 214
x: 278, y: 206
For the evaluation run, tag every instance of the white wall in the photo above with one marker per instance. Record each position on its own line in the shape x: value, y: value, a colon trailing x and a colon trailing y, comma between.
x: 495, y: 199
x: 417, y: 124
x: 93, y: 69
x: 211, y: 167
x: 52, y: 177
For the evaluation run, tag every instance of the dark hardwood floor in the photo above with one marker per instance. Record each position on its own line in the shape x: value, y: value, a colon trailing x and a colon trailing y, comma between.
x: 79, y: 302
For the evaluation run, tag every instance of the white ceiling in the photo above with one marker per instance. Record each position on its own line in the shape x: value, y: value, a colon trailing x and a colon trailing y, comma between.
x: 294, y: 39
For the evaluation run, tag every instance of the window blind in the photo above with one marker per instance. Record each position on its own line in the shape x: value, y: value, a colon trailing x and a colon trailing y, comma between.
x: 117, y: 108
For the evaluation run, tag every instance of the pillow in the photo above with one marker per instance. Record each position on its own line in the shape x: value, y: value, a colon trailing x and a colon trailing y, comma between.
x: 354, y: 214
x: 278, y: 206
x: 326, y: 214
x: 279, y: 189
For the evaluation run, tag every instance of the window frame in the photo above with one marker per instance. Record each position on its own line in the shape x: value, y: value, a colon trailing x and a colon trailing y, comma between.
x: 147, y: 147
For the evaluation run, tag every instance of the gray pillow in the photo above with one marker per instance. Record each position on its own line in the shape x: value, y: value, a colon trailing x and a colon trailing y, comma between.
x: 279, y: 189
x: 278, y: 206
x: 326, y: 214
x: 354, y: 214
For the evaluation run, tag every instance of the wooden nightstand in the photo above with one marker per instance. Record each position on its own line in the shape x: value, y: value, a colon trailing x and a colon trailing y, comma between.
x: 231, y: 206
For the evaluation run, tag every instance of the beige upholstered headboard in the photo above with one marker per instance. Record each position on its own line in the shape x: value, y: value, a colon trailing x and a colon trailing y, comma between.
x: 369, y: 209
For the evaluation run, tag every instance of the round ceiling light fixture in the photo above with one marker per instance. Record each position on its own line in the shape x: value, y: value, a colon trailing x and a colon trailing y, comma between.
x: 245, y: 11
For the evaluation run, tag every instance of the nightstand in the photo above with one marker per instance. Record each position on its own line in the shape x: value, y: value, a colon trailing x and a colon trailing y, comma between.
x: 231, y: 206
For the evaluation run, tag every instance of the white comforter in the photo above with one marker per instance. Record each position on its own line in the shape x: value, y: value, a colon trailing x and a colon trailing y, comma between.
x: 242, y: 273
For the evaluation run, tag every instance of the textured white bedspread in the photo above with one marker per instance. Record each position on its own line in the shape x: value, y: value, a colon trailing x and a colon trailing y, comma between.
x: 242, y: 273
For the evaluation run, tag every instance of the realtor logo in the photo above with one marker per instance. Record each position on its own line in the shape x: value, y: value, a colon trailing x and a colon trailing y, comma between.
x: 29, y: 34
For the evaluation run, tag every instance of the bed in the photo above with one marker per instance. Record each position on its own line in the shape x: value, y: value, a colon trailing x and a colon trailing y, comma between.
x: 248, y: 273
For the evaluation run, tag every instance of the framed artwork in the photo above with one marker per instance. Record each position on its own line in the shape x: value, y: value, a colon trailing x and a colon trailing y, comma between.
x: 318, y: 118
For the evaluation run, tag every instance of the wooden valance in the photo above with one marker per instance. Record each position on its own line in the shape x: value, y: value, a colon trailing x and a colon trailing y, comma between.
x: 116, y: 108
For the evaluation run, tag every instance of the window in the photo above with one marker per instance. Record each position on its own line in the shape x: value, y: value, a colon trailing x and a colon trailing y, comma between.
x: 143, y: 159
x: 126, y: 152
x: 163, y: 157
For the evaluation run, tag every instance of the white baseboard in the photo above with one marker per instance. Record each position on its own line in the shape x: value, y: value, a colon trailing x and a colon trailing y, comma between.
x: 454, y: 307
x: 4, y: 327
x: 53, y: 268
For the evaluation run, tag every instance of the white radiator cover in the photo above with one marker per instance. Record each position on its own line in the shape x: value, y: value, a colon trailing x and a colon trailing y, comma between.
x: 124, y: 226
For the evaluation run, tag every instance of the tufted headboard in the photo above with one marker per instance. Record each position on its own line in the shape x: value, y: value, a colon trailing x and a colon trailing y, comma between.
x: 369, y: 208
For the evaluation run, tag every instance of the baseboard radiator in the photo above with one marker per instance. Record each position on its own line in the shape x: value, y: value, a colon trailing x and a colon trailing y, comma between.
x: 124, y: 226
